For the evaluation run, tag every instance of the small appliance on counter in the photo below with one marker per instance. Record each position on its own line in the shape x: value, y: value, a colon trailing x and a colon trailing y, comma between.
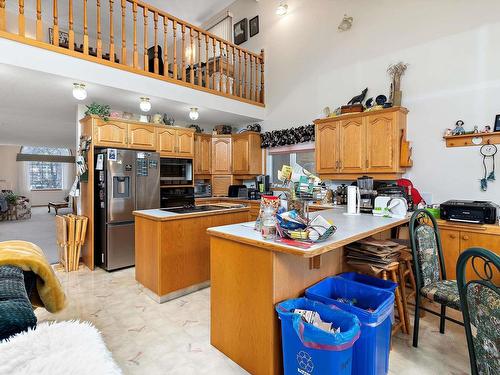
x: 392, y: 191
x: 202, y: 190
x: 262, y: 184
x: 476, y: 212
x: 237, y: 191
x: 367, y: 194
x: 391, y: 207
x: 253, y: 194
x: 340, y: 195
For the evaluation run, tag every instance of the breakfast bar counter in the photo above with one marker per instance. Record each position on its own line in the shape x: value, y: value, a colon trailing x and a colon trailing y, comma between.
x: 249, y: 275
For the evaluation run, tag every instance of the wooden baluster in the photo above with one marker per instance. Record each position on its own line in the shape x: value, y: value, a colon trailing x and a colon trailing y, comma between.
x: 55, y: 29
x: 240, y: 78
x: 183, y: 51
x: 165, y: 46
x: 175, y: 48
x: 256, y: 79
x: 221, y: 66
x: 21, y: 23
x: 136, y: 53
x: 3, y: 20
x: 227, y: 70
x: 252, y: 93
x: 71, y: 31
x: 99, y: 33
x: 191, y: 57
x: 207, y: 83
x: 199, y: 70
x: 262, y: 76
x: 245, y: 89
x: 85, y: 29
x: 156, y: 62
x: 146, y: 56
x: 214, y: 66
x: 234, y: 71
x: 124, y: 33
x: 39, y: 23
x: 111, y: 33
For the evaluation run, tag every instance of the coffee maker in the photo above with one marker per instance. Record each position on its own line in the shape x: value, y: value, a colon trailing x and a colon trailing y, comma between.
x: 262, y: 184
x: 367, y: 194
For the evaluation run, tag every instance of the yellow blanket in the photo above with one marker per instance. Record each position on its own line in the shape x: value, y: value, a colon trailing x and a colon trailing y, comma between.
x: 29, y: 257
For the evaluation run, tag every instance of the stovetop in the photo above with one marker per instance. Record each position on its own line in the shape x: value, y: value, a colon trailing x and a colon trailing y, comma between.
x: 189, y: 209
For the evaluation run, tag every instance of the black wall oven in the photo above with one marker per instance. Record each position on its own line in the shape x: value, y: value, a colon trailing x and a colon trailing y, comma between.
x: 175, y: 171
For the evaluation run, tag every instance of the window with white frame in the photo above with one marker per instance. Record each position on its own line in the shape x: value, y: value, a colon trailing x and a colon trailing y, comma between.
x: 302, y: 154
x: 45, y: 172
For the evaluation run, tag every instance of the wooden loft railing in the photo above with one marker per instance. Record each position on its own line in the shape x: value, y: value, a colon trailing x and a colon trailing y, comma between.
x: 150, y: 42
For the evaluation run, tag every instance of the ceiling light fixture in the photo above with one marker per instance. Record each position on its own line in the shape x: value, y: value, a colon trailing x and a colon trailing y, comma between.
x: 145, y: 104
x: 282, y: 8
x: 79, y: 91
x: 194, y: 114
x: 345, y: 24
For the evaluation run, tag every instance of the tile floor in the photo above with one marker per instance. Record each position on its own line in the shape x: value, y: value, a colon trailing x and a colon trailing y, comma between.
x: 173, y: 338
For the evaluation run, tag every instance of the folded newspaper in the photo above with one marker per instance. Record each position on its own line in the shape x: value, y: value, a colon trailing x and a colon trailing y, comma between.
x: 312, y: 317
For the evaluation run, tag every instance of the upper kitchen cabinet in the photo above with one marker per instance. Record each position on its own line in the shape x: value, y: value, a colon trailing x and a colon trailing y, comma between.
x: 367, y: 143
x: 221, y: 154
x: 175, y: 142
x: 202, y: 154
x: 110, y: 133
x: 246, y: 154
x: 141, y: 137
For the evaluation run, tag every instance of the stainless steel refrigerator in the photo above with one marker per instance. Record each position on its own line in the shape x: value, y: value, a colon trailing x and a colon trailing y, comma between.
x: 126, y: 180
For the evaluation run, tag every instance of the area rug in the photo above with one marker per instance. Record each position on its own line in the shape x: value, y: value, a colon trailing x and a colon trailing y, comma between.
x: 60, y: 348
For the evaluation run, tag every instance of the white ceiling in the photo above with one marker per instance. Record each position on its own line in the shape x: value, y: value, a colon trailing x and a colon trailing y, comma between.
x: 39, y: 108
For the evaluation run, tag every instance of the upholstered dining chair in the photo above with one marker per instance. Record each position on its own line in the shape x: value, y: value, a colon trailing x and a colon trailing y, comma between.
x: 430, y: 272
x: 480, y: 301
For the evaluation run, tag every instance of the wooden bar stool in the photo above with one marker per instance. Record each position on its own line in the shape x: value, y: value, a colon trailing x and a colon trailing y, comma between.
x: 392, y: 272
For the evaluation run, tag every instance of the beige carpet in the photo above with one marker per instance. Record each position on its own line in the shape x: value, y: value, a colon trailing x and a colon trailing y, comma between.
x: 40, y: 229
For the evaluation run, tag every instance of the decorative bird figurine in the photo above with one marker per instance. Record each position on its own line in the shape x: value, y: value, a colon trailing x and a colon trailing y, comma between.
x: 358, y: 99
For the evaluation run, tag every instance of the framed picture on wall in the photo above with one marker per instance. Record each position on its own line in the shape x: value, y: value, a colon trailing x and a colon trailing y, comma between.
x: 496, y: 128
x: 254, y: 26
x: 240, y: 30
x: 63, y: 37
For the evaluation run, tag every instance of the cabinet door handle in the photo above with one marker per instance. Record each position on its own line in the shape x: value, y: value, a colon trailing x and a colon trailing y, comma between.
x: 366, y: 161
x: 452, y: 236
x: 465, y: 238
x: 336, y: 164
x: 340, y: 164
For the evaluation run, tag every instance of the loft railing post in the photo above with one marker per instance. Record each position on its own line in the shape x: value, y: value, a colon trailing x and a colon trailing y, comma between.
x: 146, y: 56
x: 221, y: 66
x: 207, y: 83
x: 99, y: 34
x: 245, y: 90
x: 191, y: 56
x: 214, y: 64
x: 136, y: 54
x: 39, y: 24
x: 3, y: 21
x: 199, y: 70
x: 21, y: 23
x: 165, y: 46
x: 71, y: 31
x: 174, y: 29
x: 156, y: 61
x: 124, y: 33
x: 234, y: 71
x: 111, y: 33
x: 183, y: 51
x: 256, y: 78
x: 55, y: 28
x: 85, y: 29
x: 227, y: 69
x: 240, y: 80
x: 252, y: 92
x: 262, y: 96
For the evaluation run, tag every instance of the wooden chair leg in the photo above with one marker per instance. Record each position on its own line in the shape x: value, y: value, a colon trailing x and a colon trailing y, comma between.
x: 442, y: 319
x: 402, y: 283
x: 399, y: 302
x: 411, y: 276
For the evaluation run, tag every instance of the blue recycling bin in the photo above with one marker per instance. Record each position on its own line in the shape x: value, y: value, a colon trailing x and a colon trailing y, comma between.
x: 374, y: 307
x: 308, y: 350
x: 370, y: 280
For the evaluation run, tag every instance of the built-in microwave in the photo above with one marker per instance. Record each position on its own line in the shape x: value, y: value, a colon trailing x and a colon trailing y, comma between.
x: 175, y: 171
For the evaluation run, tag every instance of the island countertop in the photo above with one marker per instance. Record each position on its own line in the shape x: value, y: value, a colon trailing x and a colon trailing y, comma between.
x: 161, y: 215
x: 349, y: 229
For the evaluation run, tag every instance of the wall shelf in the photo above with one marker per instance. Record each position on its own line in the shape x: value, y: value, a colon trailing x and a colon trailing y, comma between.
x: 467, y: 139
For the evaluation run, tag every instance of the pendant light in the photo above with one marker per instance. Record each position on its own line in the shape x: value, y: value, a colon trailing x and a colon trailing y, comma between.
x: 79, y: 91
x: 194, y: 114
x: 145, y: 104
x: 282, y: 8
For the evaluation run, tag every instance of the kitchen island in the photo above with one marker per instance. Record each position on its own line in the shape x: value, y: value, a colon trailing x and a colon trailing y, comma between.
x: 172, y: 251
x: 250, y: 275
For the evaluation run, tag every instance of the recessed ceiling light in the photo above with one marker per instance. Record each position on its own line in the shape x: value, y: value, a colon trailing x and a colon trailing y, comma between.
x: 282, y: 8
x: 194, y: 114
x: 79, y: 91
x: 145, y: 104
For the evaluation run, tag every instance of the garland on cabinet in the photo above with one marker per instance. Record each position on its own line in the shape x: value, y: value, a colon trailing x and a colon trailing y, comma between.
x: 288, y: 137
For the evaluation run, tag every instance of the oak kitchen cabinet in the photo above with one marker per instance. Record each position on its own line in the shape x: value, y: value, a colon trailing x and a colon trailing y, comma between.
x: 221, y: 154
x: 220, y: 184
x: 352, y: 145
x: 176, y: 142
x: 246, y: 154
x: 456, y: 238
x: 124, y: 135
x: 202, y: 154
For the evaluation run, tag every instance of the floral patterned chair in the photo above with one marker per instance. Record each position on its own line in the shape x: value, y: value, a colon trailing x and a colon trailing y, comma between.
x: 19, y: 207
x: 430, y: 272
x: 480, y: 301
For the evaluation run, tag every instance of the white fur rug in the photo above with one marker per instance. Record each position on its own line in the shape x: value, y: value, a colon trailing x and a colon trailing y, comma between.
x: 61, y: 348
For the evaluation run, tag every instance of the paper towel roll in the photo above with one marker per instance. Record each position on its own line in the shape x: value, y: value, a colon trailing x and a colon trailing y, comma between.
x: 352, y: 196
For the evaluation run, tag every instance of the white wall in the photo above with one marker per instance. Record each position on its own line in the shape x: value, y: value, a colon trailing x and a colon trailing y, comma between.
x: 452, y: 49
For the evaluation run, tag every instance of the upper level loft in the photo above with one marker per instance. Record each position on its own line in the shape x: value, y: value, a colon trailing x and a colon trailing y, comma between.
x: 137, y: 38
